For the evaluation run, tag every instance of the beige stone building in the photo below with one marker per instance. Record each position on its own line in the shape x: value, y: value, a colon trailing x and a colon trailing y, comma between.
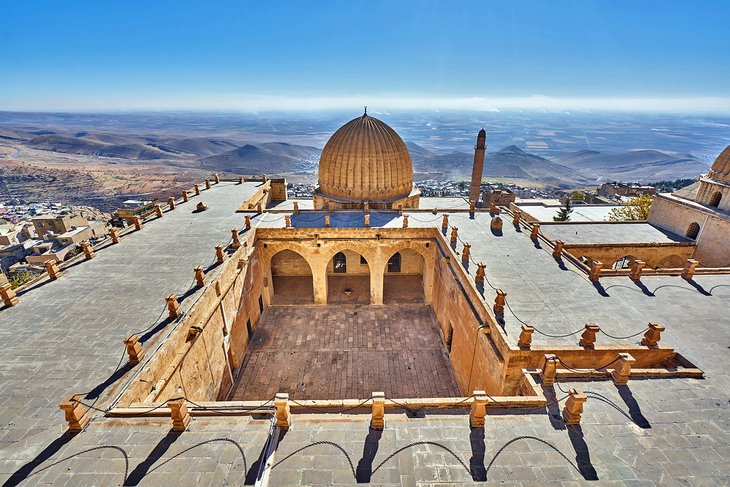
x: 701, y: 212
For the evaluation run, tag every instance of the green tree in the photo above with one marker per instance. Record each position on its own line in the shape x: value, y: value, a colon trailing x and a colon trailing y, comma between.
x: 636, y: 209
x: 564, y: 212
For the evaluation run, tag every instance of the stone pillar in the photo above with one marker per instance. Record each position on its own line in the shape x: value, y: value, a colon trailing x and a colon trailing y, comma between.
x: 405, y: 221
x: 180, y: 415
x: 240, y: 180
x: 327, y: 222
x: 535, y: 232
x: 137, y: 221
x: 574, y: 406
x: 75, y: 414
x: 366, y: 207
x: 319, y: 278
x: 173, y: 307
x: 376, y: 282
x: 185, y: 196
x: 296, y: 207
x: 588, y: 338
x: 171, y: 203
x: 88, y: 251
x: 287, y: 221
x: 517, y: 217
x: 235, y: 242
x: 196, y: 188
x: 216, y: 178
x: 653, y: 335
x: 259, y: 208
x: 636, y: 270
x: 549, y: 370
x: 472, y: 207
x: 466, y: 253
x: 219, y: 255
x: 478, y: 167
x: 134, y: 349
x: 247, y: 221
x: 199, y: 276
x: 445, y: 222
x: 479, y: 277
x: 377, y: 420
x: 622, y: 370
x: 525, y: 337
x: 114, y: 235
x: 207, y: 184
x: 688, y: 271
x: 499, y: 301
x: 478, y: 409
x: 558, y: 249
x: 283, y: 412
x: 8, y: 295
x: 454, y: 235
x: 53, y: 271
x: 158, y: 211
x: 595, y: 270
x: 367, y: 220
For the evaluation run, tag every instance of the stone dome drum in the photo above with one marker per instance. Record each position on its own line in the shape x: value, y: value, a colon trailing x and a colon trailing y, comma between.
x: 365, y: 160
x: 720, y: 170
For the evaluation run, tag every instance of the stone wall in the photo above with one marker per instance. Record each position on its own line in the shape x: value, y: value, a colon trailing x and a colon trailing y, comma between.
x: 289, y: 263
x: 278, y: 189
x: 662, y: 255
x: 709, y: 189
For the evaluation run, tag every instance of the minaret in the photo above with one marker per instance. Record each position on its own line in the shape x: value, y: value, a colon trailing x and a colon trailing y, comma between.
x: 476, y: 172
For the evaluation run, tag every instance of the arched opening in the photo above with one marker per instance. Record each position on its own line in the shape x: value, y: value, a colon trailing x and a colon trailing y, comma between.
x: 348, y: 278
x: 403, y: 278
x: 715, y: 199
x: 693, y: 231
x: 623, y: 262
x: 291, y: 278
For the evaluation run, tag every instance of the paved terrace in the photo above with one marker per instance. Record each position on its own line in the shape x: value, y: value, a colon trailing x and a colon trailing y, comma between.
x: 66, y: 336
x: 589, y: 233
x: 581, y: 213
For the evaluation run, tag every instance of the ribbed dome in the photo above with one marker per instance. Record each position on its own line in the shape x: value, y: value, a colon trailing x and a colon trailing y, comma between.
x: 721, y: 167
x: 365, y: 160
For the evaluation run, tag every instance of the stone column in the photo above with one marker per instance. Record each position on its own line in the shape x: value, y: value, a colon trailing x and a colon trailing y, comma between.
x: 405, y: 221
x: 479, y: 278
x: 296, y: 207
x: 287, y: 221
x: 499, y: 301
x: 377, y: 420
x: 574, y: 406
x: 377, y: 278
x: 247, y: 220
x: 196, y: 188
x: 216, y: 178
x: 367, y: 220
x: 219, y: 255
x: 240, y: 180
x: 472, y: 207
x: 478, y: 167
x: 283, y: 412
x: 207, y: 184
x: 478, y: 409
x: 319, y: 277
x: 137, y: 221
x: 327, y: 222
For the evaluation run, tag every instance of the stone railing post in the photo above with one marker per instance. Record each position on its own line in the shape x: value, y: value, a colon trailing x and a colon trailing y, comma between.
x: 535, y: 232
x: 366, y: 207
x: 247, y: 222
x: 52, y: 269
x: 114, y: 235
x: 688, y: 271
x: 405, y: 221
x: 454, y: 235
x: 549, y: 370
x: 173, y: 307
x: 499, y: 301
x: 287, y: 221
x: 479, y: 277
x: 466, y: 253
x: 171, y: 203
x: 134, y: 349
x: 296, y: 207
x: 594, y: 273
x: 75, y: 414
x: 196, y: 189
x: 207, y: 184
x: 88, y: 251
x: 216, y: 178
x: 653, y: 335
x: 445, y: 222
x: 8, y: 295
x: 525, y: 339
x: 137, y: 221
x: 622, y: 370
x: 283, y: 412
x: 180, y: 414
x: 219, y: 255
x: 158, y: 211
x: 517, y: 217
x: 327, y: 221
x: 588, y: 337
x: 235, y: 242
x: 377, y: 421
x: 636, y: 268
x: 574, y: 406
x: 472, y: 207
x: 240, y: 180
x: 367, y: 220
x: 185, y: 196
x: 259, y: 208
x: 478, y: 409
x: 199, y: 276
x: 558, y: 249
x: 493, y: 208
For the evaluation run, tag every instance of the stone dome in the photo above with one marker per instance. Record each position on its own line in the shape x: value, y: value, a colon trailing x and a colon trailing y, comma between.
x: 720, y: 170
x: 365, y: 160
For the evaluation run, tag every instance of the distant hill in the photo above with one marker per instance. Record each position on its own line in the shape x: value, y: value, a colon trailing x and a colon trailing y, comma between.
x: 95, y: 147
x: 638, y: 165
x: 265, y: 158
x: 510, y: 162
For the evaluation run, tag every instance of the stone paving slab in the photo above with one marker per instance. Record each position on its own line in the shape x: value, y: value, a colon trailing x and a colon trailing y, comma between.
x: 601, y: 233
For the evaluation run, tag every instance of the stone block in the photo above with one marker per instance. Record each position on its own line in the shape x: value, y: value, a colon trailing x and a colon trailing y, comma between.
x: 75, y: 414
x: 573, y: 409
x: 688, y: 271
x: 466, y: 253
x: 219, y: 255
x: 496, y: 224
x: 180, y: 414
x: 173, y: 307
x: 594, y: 273
x: 199, y: 276
x: 134, y: 349
x: 549, y: 370
x: 558, y: 248
x: 235, y: 242
x: 283, y: 411
x: 8, y: 295
x: 52, y: 269
x: 653, y: 335
x: 622, y: 370
x: 535, y: 232
x: 499, y: 301
x: 88, y: 251
x: 525, y: 339
x: 478, y: 409
x: 636, y: 268
x: 377, y: 420
x: 158, y: 211
x: 171, y: 203
x: 201, y: 207
x: 588, y: 338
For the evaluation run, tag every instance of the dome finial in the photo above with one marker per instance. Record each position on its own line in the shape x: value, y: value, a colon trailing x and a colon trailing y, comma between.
x: 366, y: 111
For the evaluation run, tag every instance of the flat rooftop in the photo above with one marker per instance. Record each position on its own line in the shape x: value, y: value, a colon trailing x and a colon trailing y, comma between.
x: 581, y: 213
x: 587, y: 233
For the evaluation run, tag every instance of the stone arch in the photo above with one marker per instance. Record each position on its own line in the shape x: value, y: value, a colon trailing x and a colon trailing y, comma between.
x: 292, y: 280
x: 406, y: 284
x: 693, y: 230
x: 715, y: 199
x: 351, y: 282
x: 623, y: 262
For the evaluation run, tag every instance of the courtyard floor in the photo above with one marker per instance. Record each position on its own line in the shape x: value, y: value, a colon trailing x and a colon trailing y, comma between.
x: 346, y: 352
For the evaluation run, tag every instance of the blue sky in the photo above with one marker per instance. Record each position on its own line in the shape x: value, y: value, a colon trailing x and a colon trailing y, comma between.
x: 308, y: 54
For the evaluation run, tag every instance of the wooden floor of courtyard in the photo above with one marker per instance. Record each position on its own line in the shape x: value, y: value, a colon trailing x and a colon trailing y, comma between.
x: 346, y: 352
